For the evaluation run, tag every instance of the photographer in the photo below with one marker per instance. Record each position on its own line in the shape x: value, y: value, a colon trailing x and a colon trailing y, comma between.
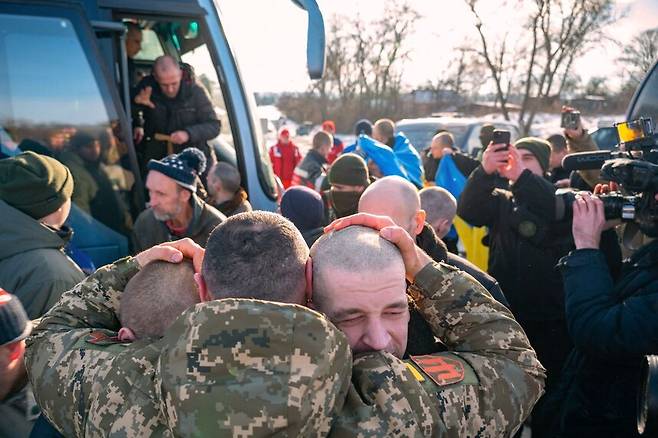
x: 613, y: 324
x: 579, y: 140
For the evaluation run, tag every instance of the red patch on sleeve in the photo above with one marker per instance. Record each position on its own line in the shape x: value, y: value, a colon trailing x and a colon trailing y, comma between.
x: 443, y: 370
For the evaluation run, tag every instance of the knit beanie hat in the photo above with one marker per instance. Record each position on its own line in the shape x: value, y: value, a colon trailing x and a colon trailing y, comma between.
x: 363, y: 126
x: 184, y: 168
x: 35, y: 184
x: 303, y: 207
x: 14, y: 324
x: 540, y: 148
x: 349, y: 169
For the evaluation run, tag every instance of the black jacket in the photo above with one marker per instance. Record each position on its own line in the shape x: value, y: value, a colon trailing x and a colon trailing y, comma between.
x: 524, y: 245
x: 191, y: 111
x: 525, y: 241
x: 613, y: 325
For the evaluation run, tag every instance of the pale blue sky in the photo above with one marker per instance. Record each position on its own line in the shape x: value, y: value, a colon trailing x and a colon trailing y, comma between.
x: 269, y: 37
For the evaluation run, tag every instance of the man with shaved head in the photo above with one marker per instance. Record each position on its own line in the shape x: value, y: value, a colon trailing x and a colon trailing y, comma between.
x: 398, y: 199
x: 173, y: 105
x: 374, y: 314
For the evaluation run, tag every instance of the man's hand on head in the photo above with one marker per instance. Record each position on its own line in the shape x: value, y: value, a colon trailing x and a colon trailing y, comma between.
x: 414, y: 258
x: 173, y: 252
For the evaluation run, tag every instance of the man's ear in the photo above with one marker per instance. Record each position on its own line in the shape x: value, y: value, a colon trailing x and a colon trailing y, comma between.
x: 204, y: 295
x: 308, y: 273
x: 420, y: 221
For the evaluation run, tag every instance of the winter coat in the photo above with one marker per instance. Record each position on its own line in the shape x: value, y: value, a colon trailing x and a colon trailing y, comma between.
x: 191, y: 111
x: 33, y: 265
x: 335, y: 151
x: 310, y: 171
x: 613, y: 325
x: 284, y: 158
x: 149, y: 231
x: 524, y: 244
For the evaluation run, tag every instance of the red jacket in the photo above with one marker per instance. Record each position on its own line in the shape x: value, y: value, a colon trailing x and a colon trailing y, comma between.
x: 285, y: 158
x: 335, y: 151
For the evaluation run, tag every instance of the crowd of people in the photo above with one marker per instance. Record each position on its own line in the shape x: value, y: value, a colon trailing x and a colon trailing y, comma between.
x: 352, y: 311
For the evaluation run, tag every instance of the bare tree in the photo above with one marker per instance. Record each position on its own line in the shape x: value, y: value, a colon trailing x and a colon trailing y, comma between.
x: 640, y: 54
x: 557, y: 32
x: 365, y: 63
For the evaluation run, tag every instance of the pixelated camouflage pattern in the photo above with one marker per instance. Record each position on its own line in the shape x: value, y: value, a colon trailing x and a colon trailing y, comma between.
x: 385, y: 400
x: 249, y: 368
x: 90, y: 390
x: 484, y: 333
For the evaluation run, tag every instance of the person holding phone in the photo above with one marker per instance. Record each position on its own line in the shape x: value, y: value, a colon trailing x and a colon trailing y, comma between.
x: 579, y: 140
x: 525, y: 243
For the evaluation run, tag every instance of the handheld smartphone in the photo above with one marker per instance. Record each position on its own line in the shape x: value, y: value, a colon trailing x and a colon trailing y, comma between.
x: 500, y: 136
x: 570, y: 120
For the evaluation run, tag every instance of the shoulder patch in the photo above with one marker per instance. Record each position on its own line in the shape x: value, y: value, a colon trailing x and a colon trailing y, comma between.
x: 445, y: 369
x: 98, y: 337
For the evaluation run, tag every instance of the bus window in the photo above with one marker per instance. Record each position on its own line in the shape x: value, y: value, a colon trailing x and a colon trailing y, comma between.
x: 151, y: 47
x: 205, y: 73
x: 52, y: 104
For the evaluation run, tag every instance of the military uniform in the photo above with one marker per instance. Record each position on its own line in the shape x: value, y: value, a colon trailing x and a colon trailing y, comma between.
x: 248, y: 368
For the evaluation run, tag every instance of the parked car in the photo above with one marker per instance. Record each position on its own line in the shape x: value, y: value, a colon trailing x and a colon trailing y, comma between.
x: 466, y: 131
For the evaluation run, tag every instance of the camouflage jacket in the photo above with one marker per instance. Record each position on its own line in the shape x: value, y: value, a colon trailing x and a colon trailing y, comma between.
x: 254, y: 378
x: 490, y: 378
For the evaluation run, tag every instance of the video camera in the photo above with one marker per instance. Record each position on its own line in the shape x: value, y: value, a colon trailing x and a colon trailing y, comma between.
x: 634, y: 166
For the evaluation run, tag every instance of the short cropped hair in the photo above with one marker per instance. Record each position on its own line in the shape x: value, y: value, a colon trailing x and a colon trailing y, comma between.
x: 386, y: 127
x: 259, y: 255
x: 322, y: 138
x: 228, y: 176
x: 438, y: 204
x: 156, y: 296
x: 445, y: 138
x: 353, y: 249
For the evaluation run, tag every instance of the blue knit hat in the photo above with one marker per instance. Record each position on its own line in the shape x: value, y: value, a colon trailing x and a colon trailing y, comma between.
x: 14, y: 324
x: 184, y: 168
x: 303, y: 207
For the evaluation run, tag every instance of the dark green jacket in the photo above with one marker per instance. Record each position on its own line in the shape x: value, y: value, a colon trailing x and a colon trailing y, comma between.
x: 149, y: 231
x: 33, y: 265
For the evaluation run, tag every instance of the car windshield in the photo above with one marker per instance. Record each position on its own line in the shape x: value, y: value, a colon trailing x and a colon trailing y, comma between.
x: 420, y: 135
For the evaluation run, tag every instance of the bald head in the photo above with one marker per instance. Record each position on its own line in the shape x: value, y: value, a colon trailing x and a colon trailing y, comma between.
x: 442, y: 140
x: 440, y: 207
x: 397, y: 198
x: 359, y: 283
x: 384, y: 130
x: 168, y: 75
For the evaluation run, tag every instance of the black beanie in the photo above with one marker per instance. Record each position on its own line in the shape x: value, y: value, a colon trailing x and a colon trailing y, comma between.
x: 350, y: 170
x: 184, y: 168
x: 35, y: 184
x: 14, y: 323
x: 303, y: 207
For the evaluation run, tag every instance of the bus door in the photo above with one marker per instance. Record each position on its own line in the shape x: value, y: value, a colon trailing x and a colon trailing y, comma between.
x: 57, y: 100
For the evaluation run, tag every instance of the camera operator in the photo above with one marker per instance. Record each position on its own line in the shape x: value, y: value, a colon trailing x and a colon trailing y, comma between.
x: 526, y: 242
x: 613, y: 324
